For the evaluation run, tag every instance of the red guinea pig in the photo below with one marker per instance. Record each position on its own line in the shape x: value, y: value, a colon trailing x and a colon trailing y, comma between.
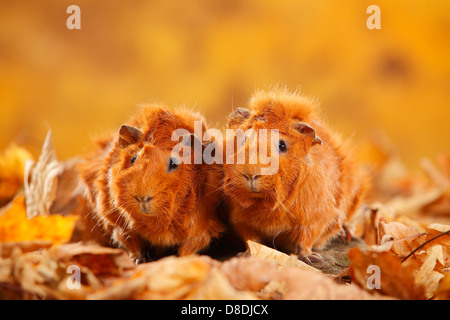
x: 317, y: 185
x: 143, y: 195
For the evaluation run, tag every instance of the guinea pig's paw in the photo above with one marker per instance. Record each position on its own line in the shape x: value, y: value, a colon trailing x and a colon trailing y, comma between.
x: 312, y: 258
x: 345, y: 235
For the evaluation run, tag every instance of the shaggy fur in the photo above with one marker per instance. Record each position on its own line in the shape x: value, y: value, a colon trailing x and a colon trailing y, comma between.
x: 317, y: 185
x: 182, y: 208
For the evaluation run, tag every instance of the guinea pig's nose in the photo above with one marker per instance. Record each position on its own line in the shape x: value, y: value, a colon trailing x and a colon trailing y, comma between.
x: 144, y: 199
x: 144, y: 203
x: 251, y: 180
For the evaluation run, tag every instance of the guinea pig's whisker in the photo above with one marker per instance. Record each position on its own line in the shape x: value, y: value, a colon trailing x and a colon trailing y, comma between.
x: 282, y: 205
x: 273, y: 239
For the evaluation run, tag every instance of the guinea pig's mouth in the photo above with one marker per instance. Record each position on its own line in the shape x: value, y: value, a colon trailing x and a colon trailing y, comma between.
x: 145, y: 210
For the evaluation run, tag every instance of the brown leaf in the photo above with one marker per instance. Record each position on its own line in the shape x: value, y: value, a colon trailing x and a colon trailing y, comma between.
x: 306, y: 285
x: 249, y: 273
x: 413, y: 205
x: 99, y: 260
x: 427, y: 277
x: 34, y: 274
x: 443, y: 291
x: 366, y: 222
x: 405, y: 239
x: 191, y: 277
x: 6, y: 248
x: 69, y: 188
x: 397, y: 279
x: 434, y: 230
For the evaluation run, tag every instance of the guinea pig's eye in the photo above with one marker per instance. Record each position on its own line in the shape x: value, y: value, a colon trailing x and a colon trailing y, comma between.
x: 173, y: 164
x: 133, y: 159
x: 282, y: 146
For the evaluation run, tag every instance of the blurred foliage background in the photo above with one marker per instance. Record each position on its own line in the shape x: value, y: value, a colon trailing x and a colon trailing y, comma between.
x: 212, y: 55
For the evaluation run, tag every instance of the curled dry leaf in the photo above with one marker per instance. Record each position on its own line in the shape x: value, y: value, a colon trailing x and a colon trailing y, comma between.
x: 69, y: 188
x: 41, y: 180
x: 366, y: 222
x: 51, y: 186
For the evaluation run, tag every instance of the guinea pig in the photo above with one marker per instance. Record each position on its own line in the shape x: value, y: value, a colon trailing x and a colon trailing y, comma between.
x: 317, y: 186
x: 143, y: 194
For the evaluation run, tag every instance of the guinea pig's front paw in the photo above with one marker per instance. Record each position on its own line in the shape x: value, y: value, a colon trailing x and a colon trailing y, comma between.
x: 312, y: 258
x: 345, y: 235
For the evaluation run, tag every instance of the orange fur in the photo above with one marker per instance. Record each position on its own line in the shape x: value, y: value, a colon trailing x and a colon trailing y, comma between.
x: 316, y: 187
x: 182, y: 208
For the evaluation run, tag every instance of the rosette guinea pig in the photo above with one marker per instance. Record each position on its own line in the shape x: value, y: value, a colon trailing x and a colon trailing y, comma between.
x: 317, y: 185
x: 143, y: 195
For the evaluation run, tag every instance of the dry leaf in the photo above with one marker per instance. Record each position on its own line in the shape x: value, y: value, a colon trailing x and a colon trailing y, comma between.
x: 274, y: 290
x: 366, y: 222
x: 41, y: 180
x: 307, y: 285
x: 249, y: 273
x: 217, y: 287
x: 434, y: 230
x: 34, y: 274
x: 15, y: 227
x: 443, y: 291
x: 12, y: 164
x: 192, y: 277
x: 69, y: 188
x: 99, y: 260
x: 427, y: 277
x: 6, y: 248
x: 412, y: 205
x: 167, y: 278
x: 405, y: 239
x: 397, y: 279
x: 260, y: 251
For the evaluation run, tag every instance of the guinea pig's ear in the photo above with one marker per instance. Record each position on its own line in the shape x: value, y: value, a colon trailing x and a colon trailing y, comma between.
x: 128, y: 135
x: 238, y: 116
x: 308, y: 131
x: 190, y: 140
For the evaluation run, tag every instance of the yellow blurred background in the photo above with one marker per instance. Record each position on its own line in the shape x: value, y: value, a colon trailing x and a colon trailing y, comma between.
x: 212, y: 55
